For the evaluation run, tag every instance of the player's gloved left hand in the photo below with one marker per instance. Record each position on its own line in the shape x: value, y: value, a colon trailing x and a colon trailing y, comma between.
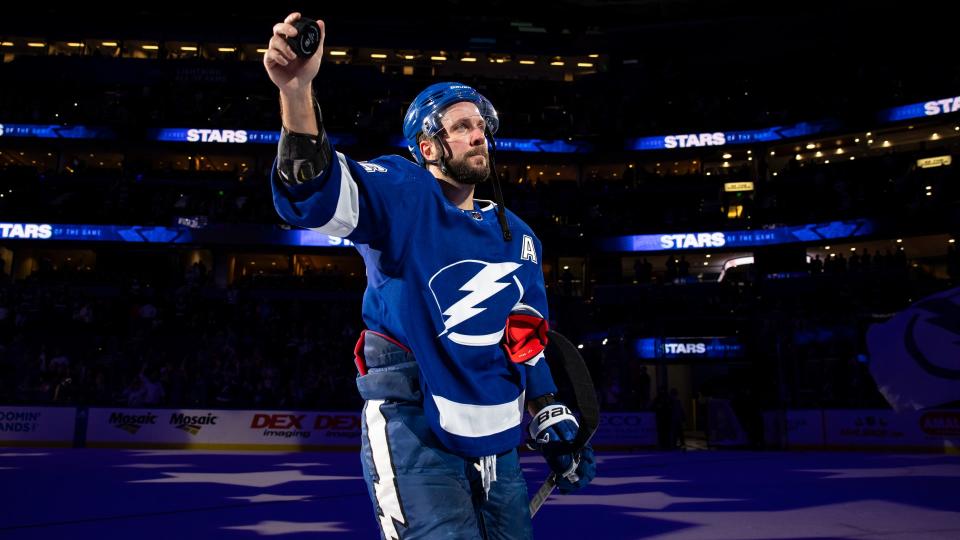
x: 553, y: 430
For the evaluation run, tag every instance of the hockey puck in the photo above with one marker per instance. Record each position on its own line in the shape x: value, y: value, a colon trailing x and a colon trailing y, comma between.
x: 307, y: 40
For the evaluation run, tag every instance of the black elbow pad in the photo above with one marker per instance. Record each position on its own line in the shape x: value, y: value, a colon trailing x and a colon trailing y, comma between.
x: 302, y: 157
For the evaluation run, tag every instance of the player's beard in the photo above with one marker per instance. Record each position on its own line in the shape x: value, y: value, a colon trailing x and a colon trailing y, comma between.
x: 464, y: 172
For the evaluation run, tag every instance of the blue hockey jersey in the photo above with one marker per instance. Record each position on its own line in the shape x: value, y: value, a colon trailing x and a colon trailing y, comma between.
x: 442, y: 281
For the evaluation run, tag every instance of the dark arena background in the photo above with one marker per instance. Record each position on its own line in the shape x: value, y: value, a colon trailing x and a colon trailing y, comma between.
x: 748, y: 214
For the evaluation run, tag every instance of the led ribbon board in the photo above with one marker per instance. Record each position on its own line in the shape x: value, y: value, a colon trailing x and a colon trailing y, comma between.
x: 688, y: 348
x: 739, y: 239
x: 215, y: 234
x: 725, y: 138
x: 47, y: 131
x: 923, y: 109
x: 230, y: 136
x: 538, y: 145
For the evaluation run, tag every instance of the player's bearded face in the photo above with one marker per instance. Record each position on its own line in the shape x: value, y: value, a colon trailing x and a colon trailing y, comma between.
x: 468, y: 168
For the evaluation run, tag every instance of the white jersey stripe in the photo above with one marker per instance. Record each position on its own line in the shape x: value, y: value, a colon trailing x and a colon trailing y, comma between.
x: 385, y: 488
x: 347, y: 214
x: 468, y: 420
x: 476, y: 341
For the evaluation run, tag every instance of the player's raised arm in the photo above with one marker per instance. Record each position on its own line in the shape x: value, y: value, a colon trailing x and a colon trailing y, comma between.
x: 305, y: 156
x: 315, y: 186
x: 304, y: 150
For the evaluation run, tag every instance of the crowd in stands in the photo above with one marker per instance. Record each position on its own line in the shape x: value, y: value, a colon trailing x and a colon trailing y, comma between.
x: 127, y: 342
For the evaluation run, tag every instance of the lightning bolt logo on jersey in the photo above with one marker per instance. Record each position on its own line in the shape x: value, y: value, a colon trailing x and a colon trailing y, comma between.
x: 475, y: 298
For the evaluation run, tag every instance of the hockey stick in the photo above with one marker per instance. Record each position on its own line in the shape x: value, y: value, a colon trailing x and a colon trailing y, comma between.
x: 586, y: 403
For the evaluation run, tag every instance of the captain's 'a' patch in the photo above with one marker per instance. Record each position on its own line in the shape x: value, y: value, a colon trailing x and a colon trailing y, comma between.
x: 528, y: 252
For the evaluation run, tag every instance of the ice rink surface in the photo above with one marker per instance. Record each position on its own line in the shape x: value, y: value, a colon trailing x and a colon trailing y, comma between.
x: 695, y: 495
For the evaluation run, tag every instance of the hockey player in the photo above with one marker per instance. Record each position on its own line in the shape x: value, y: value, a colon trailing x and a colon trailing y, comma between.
x: 455, y: 308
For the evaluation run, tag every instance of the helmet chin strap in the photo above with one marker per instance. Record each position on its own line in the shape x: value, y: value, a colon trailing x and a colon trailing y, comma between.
x: 441, y: 164
x: 497, y: 193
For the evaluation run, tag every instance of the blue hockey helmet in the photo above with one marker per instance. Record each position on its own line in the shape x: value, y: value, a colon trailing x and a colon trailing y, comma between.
x: 426, y: 112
